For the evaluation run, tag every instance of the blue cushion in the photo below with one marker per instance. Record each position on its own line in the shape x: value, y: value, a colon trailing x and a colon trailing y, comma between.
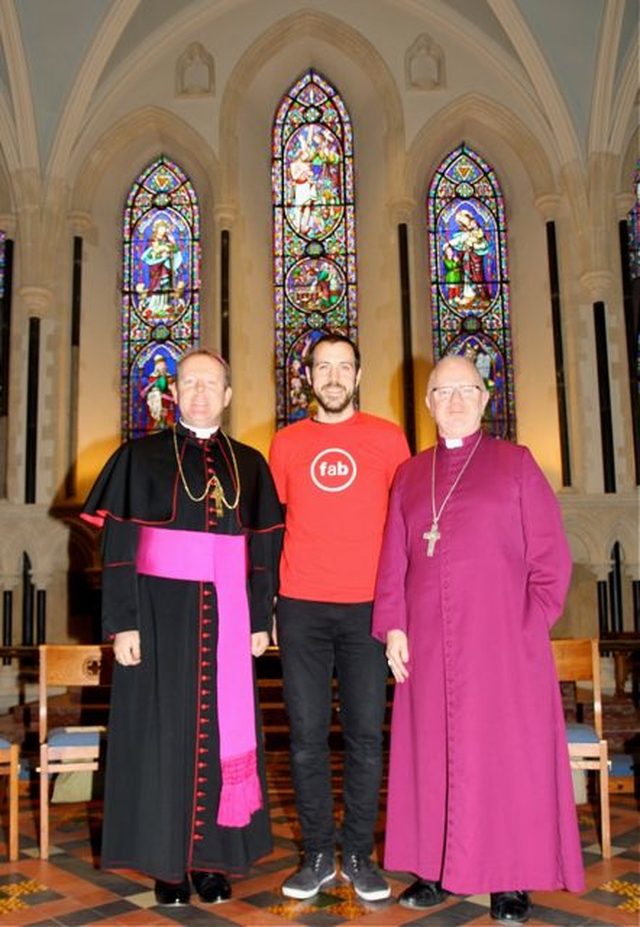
x: 4, y: 743
x: 72, y: 737
x: 581, y: 734
x: 622, y: 764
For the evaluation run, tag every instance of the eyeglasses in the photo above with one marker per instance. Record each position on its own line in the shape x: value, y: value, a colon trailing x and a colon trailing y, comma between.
x: 466, y: 390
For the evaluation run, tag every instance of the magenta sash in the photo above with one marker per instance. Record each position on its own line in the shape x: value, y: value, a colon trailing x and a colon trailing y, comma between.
x: 220, y: 559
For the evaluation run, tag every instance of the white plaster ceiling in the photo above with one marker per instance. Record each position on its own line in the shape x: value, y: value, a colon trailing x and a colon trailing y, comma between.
x: 46, y: 43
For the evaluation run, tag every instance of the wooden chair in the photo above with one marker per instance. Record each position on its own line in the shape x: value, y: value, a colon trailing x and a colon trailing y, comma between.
x: 9, y: 767
x: 68, y: 749
x: 579, y: 661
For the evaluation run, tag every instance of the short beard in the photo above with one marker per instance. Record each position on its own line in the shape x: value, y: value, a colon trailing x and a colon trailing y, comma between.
x: 337, y: 405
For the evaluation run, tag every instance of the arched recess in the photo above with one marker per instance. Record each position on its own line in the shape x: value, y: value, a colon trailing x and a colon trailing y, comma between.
x: 314, y: 232
x: 161, y: 272
x: 137, y: 138
x: 591, y: 540
x: 469, y: 277
x: 269, y: 66
x: 97, y: 200
x: 126, y: 148
x: 527, y: 174
x: 319, y: 36
x: 487, y: 126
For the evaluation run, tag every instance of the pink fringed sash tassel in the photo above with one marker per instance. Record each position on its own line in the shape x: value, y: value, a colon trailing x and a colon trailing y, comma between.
x: 220, y: 559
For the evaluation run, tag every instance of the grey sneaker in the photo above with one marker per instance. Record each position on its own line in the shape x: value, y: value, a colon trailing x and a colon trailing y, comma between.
x: 365, y: 877
x: 316, y: 870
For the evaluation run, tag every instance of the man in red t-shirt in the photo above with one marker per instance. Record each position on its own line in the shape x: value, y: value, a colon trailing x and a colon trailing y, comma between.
x: 333, y: 473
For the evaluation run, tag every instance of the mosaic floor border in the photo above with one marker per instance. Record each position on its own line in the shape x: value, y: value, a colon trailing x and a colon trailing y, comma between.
x: 69, y: 890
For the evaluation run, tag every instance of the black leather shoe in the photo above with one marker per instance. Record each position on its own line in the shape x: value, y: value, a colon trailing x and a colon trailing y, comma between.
x: 172, y: 893
x: 423, y: 894
x: 211, y: 887
x: 510, y: 907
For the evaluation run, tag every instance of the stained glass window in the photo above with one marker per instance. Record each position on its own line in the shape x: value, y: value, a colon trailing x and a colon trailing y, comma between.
x: 633, y: 226
x: 3, y: 324
x: 4, y: 327
x: 469, y: 277
x: 160, y: 293
x: 2, y: 259
x: 314, y: 237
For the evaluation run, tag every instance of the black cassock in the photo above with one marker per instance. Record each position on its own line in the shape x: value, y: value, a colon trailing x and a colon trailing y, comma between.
x: 163, y: 773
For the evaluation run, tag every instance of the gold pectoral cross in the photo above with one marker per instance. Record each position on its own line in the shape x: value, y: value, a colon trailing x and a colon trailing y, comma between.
x: 216, y: 495
x: 432, y: 536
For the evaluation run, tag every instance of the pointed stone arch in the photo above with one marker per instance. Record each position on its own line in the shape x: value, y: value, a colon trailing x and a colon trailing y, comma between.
x: 323, y: 31
x: 144, y: 133
x: 484, y: 124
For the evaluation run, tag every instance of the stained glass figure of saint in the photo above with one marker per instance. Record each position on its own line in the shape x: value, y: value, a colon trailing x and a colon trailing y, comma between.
x: 469, y: 277
x: 161, y: 292
x: 314, y: 232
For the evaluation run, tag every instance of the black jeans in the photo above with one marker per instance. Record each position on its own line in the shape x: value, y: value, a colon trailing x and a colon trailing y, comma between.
x: 314, y: 639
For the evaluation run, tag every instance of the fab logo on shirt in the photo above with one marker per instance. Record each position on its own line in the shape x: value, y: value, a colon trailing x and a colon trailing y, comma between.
x: 333, y: 470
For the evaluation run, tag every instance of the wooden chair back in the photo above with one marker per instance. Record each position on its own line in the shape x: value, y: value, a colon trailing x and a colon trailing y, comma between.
x: 10, y: 767
x: 70, y: 665
x: 67, y: 749
x: 579, y: 661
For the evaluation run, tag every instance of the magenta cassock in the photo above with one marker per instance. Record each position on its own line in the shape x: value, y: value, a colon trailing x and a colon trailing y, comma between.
x: 480, y: 792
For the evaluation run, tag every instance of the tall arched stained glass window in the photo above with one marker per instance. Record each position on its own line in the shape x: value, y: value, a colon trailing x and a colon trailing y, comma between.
x: 3, y: 326
x: 160, y: 293
x: 469, y: 277
x: 2, y: 262
x: 313, y: 232
x: 633, y: 225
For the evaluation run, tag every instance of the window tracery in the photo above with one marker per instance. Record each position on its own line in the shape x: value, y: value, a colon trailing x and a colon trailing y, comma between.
x: 314, y: 238
x: 470, y: 308
x: 160, y: 293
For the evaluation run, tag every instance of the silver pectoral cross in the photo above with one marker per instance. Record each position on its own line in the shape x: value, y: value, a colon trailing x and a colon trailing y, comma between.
x: 432, y: 536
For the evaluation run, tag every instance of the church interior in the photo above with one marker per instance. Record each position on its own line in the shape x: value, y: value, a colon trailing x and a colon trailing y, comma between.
x: 133, y: 125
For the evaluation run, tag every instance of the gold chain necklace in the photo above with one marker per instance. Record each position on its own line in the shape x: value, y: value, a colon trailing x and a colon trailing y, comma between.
x: 433, y: 535
x: 218, y: 491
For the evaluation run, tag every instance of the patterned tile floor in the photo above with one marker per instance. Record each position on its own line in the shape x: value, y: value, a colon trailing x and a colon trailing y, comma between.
x: 70, y: 890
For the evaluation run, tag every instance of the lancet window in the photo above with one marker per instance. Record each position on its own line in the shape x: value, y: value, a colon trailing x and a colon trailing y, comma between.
x: 160, y: 293
x: 470, y: 309
x: 2, y: 240
x: 314, y: 235
x: 633, y: 225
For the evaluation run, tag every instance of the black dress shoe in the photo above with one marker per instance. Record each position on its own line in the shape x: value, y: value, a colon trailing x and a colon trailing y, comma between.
x: 510, y: 907
x: 423, y: 894
x: 211, y: 887
x: 172, y: 893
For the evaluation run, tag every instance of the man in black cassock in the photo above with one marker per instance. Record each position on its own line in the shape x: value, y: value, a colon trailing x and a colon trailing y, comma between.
x: 191, y: 539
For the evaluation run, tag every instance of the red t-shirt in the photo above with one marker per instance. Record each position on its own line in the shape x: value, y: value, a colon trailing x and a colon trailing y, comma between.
x: 334, y: 480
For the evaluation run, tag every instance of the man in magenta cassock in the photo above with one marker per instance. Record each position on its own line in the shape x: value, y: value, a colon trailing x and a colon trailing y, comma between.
x: 473, y: 573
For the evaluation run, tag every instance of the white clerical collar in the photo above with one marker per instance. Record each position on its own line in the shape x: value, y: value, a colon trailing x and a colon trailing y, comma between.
x: 203, y: 433
x: 455, y: 441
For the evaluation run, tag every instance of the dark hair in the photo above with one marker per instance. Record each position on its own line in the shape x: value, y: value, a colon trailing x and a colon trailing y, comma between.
x: 332, y: 338
x: 205, y: 352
